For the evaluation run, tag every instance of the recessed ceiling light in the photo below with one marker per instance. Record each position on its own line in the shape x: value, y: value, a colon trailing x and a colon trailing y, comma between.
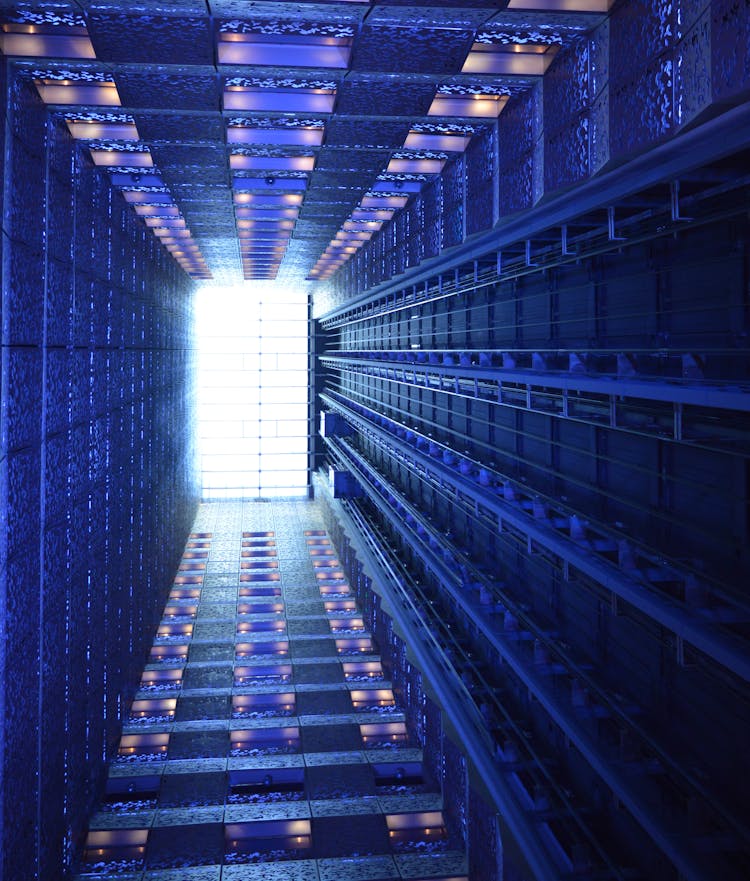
x: 562, y: 5
x: 430, y: 141
x: 510, y: 59
x: 272, y: 163
x: 39, y: 41
x: 302, y: 136
x: 96, y: 131
x: 73, y: 92
x: 275, y: 50
x: 280, y: 100
x: 126, y: 158
x: 472, y: 106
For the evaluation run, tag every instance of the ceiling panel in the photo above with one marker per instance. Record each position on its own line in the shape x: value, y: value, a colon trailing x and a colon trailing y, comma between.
x: 399, y: 49
x: 223, y: 136
x: 385, y: 96
x: 119, y: 35
x: 180, y: 128
x: 169, y: 87
x: 366, y: 132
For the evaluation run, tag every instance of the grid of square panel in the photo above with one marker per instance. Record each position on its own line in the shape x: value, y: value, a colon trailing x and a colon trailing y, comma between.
x: 265, y: 740
x: 204, y: 151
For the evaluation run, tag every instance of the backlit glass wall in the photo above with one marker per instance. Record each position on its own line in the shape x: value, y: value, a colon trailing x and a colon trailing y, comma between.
x: 253, y: 390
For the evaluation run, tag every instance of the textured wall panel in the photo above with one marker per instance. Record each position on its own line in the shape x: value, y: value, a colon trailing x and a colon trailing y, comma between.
x: 481, y: 160
x: 567, y: 98
x: 516, y: 138
x: 96, y: 330
x: 485, y: 851
x: 455, y: 788
x: 453, y: 202
x: 642, y: 75
x: 693, y: 67
x: 432, y: 201
x: 730, y: 59
x: 415, y: 243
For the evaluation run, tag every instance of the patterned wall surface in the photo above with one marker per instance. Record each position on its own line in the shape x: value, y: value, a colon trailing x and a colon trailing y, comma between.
x: 481, y: 162
x: 96, y: 469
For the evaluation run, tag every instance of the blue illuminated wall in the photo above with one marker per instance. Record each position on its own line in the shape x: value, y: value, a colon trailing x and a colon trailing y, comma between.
x: 96, y: 473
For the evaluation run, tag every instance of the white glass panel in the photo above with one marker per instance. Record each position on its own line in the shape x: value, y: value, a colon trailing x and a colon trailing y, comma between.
x: 283, y: 478
x: 279, y: 444
x: 283, y: 377
x: 219, y: 429
x: 284, y: 329
x: 253, y: 384
x: 273, y: 410
x: 219, y: 362
x: 296, y: 362
x: 284, y: 345
x: 293, y: 428
x: 269, y: 362
x: 293, y: 491
x: 287, y: 462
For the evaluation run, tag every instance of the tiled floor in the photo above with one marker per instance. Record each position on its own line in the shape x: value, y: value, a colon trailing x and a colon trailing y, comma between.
x: 265, y: 742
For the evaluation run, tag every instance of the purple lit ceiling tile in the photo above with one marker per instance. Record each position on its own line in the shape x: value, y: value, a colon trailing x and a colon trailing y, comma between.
x: 269, y: 184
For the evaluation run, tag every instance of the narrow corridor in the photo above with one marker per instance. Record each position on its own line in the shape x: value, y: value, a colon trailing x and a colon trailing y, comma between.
x: 265, y: 741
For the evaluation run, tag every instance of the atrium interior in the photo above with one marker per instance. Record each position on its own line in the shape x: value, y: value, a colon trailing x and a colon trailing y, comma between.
x: 375, y: 440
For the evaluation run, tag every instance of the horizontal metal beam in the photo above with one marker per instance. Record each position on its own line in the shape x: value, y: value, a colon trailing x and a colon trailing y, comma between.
x: 713, y: 140
x: 726, y: 649
x: 724, y: 395
x: 457, y: 703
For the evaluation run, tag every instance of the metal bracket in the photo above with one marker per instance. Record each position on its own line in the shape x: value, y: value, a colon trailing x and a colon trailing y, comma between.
x: 674, y: 203
x: 566, y: 252
x: 611, y: 226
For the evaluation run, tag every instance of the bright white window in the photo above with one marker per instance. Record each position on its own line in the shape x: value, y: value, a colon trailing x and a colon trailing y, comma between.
x: 253, y: 391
